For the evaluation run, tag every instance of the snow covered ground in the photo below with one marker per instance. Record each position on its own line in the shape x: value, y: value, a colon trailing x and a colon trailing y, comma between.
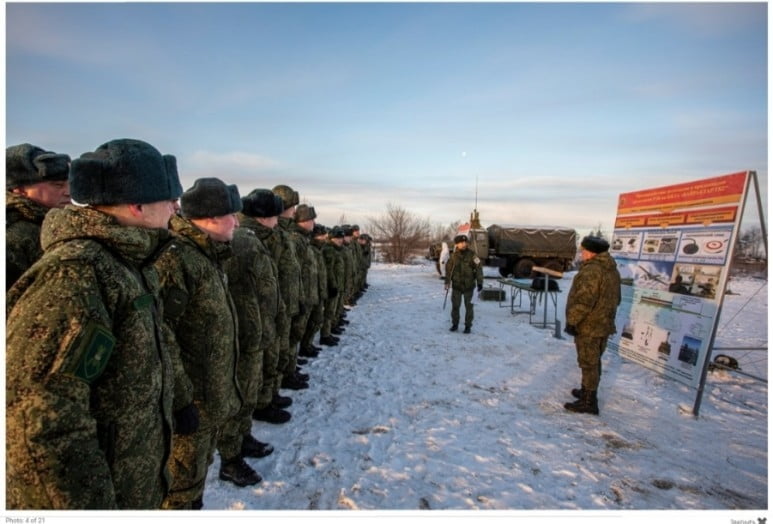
x: 405, y: 415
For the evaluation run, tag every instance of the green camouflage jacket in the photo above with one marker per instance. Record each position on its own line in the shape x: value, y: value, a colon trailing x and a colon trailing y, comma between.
x: 594, y: 296
x: 244, y: 270
x: 309, y: 269
x: 321, y: 268
x: 347, y: 251
x: 334, y: 267
x: 23, y: 218
x: 265, y: 274
x: 89, y: 383
x: 200, y: 312
x: 464, y: 270
x: 289, y: 267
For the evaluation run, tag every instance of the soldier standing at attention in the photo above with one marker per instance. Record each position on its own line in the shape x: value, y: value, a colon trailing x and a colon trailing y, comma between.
x: 591, y: 307
x: 249, y: 271
x: 364, y: 241
x: 260, y: 215
x: 35, y: 181
x: 205, y: 349
x: 334, y: 267
x: 463, y: 271
x: 317, y: 318
x: 292, y: 286
x: 89, y: 383
x: 304, y: 225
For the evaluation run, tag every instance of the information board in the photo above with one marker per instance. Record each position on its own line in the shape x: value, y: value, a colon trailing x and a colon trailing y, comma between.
x: 673, y: 247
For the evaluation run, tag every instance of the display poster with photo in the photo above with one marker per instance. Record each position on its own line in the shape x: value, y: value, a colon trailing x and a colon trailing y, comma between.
x: 673, y: 246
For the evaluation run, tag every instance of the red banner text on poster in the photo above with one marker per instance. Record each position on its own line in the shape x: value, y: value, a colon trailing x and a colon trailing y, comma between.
x: 709, y: 192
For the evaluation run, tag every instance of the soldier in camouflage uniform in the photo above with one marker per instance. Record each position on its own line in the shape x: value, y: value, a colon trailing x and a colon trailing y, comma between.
x: 318, y: 241
x: 253, y: 285
x: 304, y: 224
x: 590, y: 317
x: 205, y: 348
x: 293, y: 289
x: 332, y: 251
x: 260, y: 212
x: 367, y: 257
x: 357, y: 252
x: 89, y: 382
x: 35, y: 181
x: 463, y: 272
x: 349, y: 271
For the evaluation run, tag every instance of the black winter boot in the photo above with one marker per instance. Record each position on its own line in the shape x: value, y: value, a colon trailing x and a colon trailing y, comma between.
x: 577, y: 392
x: 278, y: 401
x: 239, y: 472
x: 271, y: 415
x: 293, y: 382
x: 454, y: 327
x: 308, y: 352
x: 252, y: 447
x: 328, y: 341
x: 587, y: 403
x: 466, y: 329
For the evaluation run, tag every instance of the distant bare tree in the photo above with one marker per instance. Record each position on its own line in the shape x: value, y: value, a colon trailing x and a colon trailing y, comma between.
x: 598, y: 232
x: 440, y: 233
x: 751, y: 243
x: 400, y: 234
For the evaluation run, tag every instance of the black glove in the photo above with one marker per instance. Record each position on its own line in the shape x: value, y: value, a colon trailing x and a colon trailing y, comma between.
x: 480, y: 288
x: 570, y: 330
x: 186, y: 420
x: 301, y: 309
x: 332, y: 292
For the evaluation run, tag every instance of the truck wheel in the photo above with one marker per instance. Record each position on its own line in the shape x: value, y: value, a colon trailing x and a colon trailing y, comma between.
x: 505, y: 271
x: 523, y: 268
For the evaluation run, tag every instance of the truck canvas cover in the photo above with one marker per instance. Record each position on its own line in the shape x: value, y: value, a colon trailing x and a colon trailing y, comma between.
x: 533, y: 241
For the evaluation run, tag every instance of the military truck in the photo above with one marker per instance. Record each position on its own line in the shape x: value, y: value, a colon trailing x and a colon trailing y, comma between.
x: 516, y: 249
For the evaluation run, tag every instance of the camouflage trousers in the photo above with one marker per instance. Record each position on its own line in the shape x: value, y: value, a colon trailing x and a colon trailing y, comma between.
x: 190, y: 459
x: 456, y: 303
x: 271, y: 376
x: 329, y: 316
x: 297, y: 329
x: 249, y: 372
x: 283, y: 362
x: 313, y: 325
x: 589, y: 351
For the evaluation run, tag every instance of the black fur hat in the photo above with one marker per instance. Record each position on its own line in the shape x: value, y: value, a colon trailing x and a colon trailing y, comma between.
x: 210, y: 197
x: 460, y: 238
x: 319, y: 229
x: 124, y: 171
x: 262, y: 203
x: 27, y: 164
x: 336, y: 232
x: 594, y: 244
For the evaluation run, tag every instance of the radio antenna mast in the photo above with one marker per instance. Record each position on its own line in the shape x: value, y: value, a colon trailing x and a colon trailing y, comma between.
x: 474, y: 218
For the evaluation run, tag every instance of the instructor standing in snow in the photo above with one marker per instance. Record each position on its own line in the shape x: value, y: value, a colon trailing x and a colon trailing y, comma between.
x: 590, y: 317
x: 463, y: 271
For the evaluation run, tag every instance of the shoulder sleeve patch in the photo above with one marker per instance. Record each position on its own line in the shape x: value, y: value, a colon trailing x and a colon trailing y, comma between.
x: 90, y: 352
x: 175, y: 303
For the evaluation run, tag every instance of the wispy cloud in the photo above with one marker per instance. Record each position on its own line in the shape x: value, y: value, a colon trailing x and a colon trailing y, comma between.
x: 706, y: 19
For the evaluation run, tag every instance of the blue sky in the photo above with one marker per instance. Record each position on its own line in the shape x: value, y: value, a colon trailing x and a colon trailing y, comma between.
x: 552, y: 109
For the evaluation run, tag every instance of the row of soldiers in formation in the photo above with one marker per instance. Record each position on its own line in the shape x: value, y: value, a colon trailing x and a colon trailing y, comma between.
x: 148, y: 327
